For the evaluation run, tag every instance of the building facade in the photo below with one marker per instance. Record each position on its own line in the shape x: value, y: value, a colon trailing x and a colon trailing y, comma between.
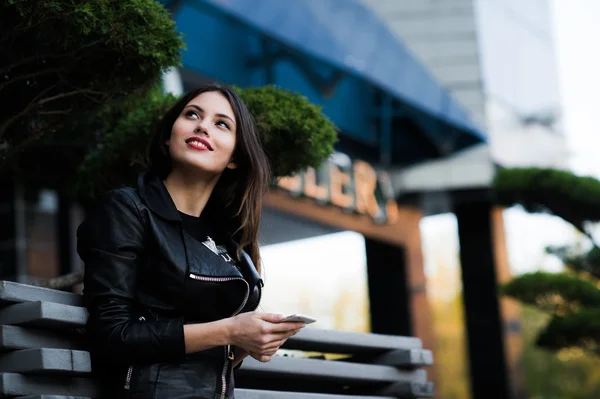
x: 497, y: 58
x: 339, y: 55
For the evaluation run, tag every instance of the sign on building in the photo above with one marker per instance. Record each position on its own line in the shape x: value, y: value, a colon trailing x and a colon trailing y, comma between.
x: 352, y: 185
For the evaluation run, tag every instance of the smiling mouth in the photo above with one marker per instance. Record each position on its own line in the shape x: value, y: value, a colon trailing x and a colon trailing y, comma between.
x: 199, y: 144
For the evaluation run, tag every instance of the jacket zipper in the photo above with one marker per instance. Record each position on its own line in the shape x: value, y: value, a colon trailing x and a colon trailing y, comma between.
x: 222, y: 280
x: 229, y: 355
x: 127, y: 385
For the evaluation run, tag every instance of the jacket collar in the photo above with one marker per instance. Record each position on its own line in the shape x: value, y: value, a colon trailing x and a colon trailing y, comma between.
x: 154, y: 193
x: 246, y: 259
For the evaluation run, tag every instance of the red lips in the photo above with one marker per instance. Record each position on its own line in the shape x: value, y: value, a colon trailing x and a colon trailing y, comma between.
x: 199, y: 143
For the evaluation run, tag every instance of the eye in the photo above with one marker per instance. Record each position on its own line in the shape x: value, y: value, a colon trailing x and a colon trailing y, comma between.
x: 191, y: 113
x: 224, y: 124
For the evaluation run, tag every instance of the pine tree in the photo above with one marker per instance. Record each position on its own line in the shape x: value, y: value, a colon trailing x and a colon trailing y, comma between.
x: 62, y: 60
x: 80, y: 90
x: 571, y: 297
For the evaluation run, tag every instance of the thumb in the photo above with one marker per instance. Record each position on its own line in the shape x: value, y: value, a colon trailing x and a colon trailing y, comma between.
x: 271, y: 317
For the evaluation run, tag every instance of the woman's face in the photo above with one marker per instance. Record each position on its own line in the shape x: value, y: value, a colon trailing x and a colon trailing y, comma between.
x: 203, y: 137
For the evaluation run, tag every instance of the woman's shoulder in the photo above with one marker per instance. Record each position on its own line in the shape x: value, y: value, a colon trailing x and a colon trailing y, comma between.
x: 127, y: 194
x: 123, y: 201
x: 120, y: 197
x: 112, y: 213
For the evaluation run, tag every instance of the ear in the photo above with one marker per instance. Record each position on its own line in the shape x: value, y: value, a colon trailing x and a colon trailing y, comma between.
x: 231, y: 164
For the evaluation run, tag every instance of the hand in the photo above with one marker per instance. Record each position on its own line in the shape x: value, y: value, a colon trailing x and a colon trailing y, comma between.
x: 262, y: 358
x: 261, y: 334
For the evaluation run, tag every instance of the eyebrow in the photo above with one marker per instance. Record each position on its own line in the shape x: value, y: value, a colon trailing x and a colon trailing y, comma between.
x: 220, y: 115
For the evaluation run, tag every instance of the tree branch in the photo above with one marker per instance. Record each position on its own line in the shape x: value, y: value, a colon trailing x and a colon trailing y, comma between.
x: 32, y: 104
x: 57, y: 112
x: 37, y: 56
x: 30, y: 75
x: 63, y: 282
x: 58, y: 97
x: 16, y: 148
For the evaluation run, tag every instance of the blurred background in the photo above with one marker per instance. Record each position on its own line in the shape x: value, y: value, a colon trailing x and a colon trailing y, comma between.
x: 399, y: 232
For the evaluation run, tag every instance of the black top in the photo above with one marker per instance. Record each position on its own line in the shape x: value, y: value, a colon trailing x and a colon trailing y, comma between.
x: 202, y: 229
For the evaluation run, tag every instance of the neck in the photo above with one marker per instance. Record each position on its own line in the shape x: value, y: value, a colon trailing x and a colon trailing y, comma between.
x: 190, y: 192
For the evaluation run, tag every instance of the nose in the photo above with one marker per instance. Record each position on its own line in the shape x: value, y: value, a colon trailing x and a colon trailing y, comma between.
x: 201, y: 128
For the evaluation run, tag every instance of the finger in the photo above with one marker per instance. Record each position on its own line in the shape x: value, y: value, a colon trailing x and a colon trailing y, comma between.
x: 286, y: 334
x: 260, y: 357
x: 271, y: 352
x: 274, y: 347
x: 287, y: 326
x: 277, y: 338
x: 271, y: 317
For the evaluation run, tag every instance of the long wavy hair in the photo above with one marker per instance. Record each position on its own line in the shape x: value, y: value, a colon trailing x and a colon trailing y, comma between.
x: 236, y: 202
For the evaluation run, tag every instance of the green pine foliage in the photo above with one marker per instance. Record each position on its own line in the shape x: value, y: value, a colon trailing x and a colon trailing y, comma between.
x: 575, y: 199
x: 579, y: 261
x: 295, y: 133
x: 557, y: 293
x: 62, y: 59
x: 579, y: 328
x: 570, y: 298
x: 125, y: 129
x: 566, y: 374
x: 76, y: 87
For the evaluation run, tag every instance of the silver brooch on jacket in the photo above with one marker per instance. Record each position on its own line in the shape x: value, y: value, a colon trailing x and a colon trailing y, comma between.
x: 210, y: 244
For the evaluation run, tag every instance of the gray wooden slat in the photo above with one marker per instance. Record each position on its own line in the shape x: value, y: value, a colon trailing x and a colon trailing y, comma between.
x: 331, y: 341
x: 260, y: 394
x: 11, y: 292
x: 413, y: 390
x: 46, y: 361
x: 331, y: 370
x: 44, y: 315
x: 13, y: 384
x: 407, y: 358
x: 52, y: 397
x: 13, y: 338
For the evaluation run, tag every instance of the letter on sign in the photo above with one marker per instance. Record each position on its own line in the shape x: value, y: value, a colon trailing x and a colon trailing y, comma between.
x: 292, y: 184
x: 312, y: 189
x: 341, y: 187
x: 366, y: 183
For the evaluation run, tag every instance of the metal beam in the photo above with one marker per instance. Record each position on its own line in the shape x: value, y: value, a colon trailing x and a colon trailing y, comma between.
x: 273, y: 52
x: 300, y: 368
x: 385, y: 130
x: 332, y: 341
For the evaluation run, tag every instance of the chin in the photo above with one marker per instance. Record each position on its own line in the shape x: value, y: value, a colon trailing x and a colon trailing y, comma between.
x: 196, y: 167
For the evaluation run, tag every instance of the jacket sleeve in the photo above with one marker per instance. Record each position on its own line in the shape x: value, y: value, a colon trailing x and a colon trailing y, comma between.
x: 111, y: 243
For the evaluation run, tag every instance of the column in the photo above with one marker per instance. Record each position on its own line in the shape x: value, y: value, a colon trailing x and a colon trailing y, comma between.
x: 488, y: 367
x: 12, y: 231
x: 397, y: 284
x: 388, y: 289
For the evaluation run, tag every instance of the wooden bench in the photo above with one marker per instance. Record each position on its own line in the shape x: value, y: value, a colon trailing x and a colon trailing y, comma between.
x: 42, y: 357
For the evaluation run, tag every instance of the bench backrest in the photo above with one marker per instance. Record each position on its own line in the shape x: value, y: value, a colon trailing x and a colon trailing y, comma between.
x: 42, y: 356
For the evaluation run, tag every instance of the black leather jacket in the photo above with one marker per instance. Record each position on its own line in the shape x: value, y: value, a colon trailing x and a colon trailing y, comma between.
x: 138, y: 263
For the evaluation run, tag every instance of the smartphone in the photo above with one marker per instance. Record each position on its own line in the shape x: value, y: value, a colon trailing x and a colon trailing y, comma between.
x: 299, y: 317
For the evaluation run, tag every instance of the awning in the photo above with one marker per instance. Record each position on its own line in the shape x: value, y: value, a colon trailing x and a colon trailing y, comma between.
x: 347, y: 35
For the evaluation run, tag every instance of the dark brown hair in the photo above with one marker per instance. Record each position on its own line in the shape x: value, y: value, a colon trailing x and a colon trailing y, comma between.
x: 236, y: 201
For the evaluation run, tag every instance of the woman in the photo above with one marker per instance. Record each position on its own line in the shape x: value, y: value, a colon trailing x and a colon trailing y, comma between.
x: 172, y: 266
